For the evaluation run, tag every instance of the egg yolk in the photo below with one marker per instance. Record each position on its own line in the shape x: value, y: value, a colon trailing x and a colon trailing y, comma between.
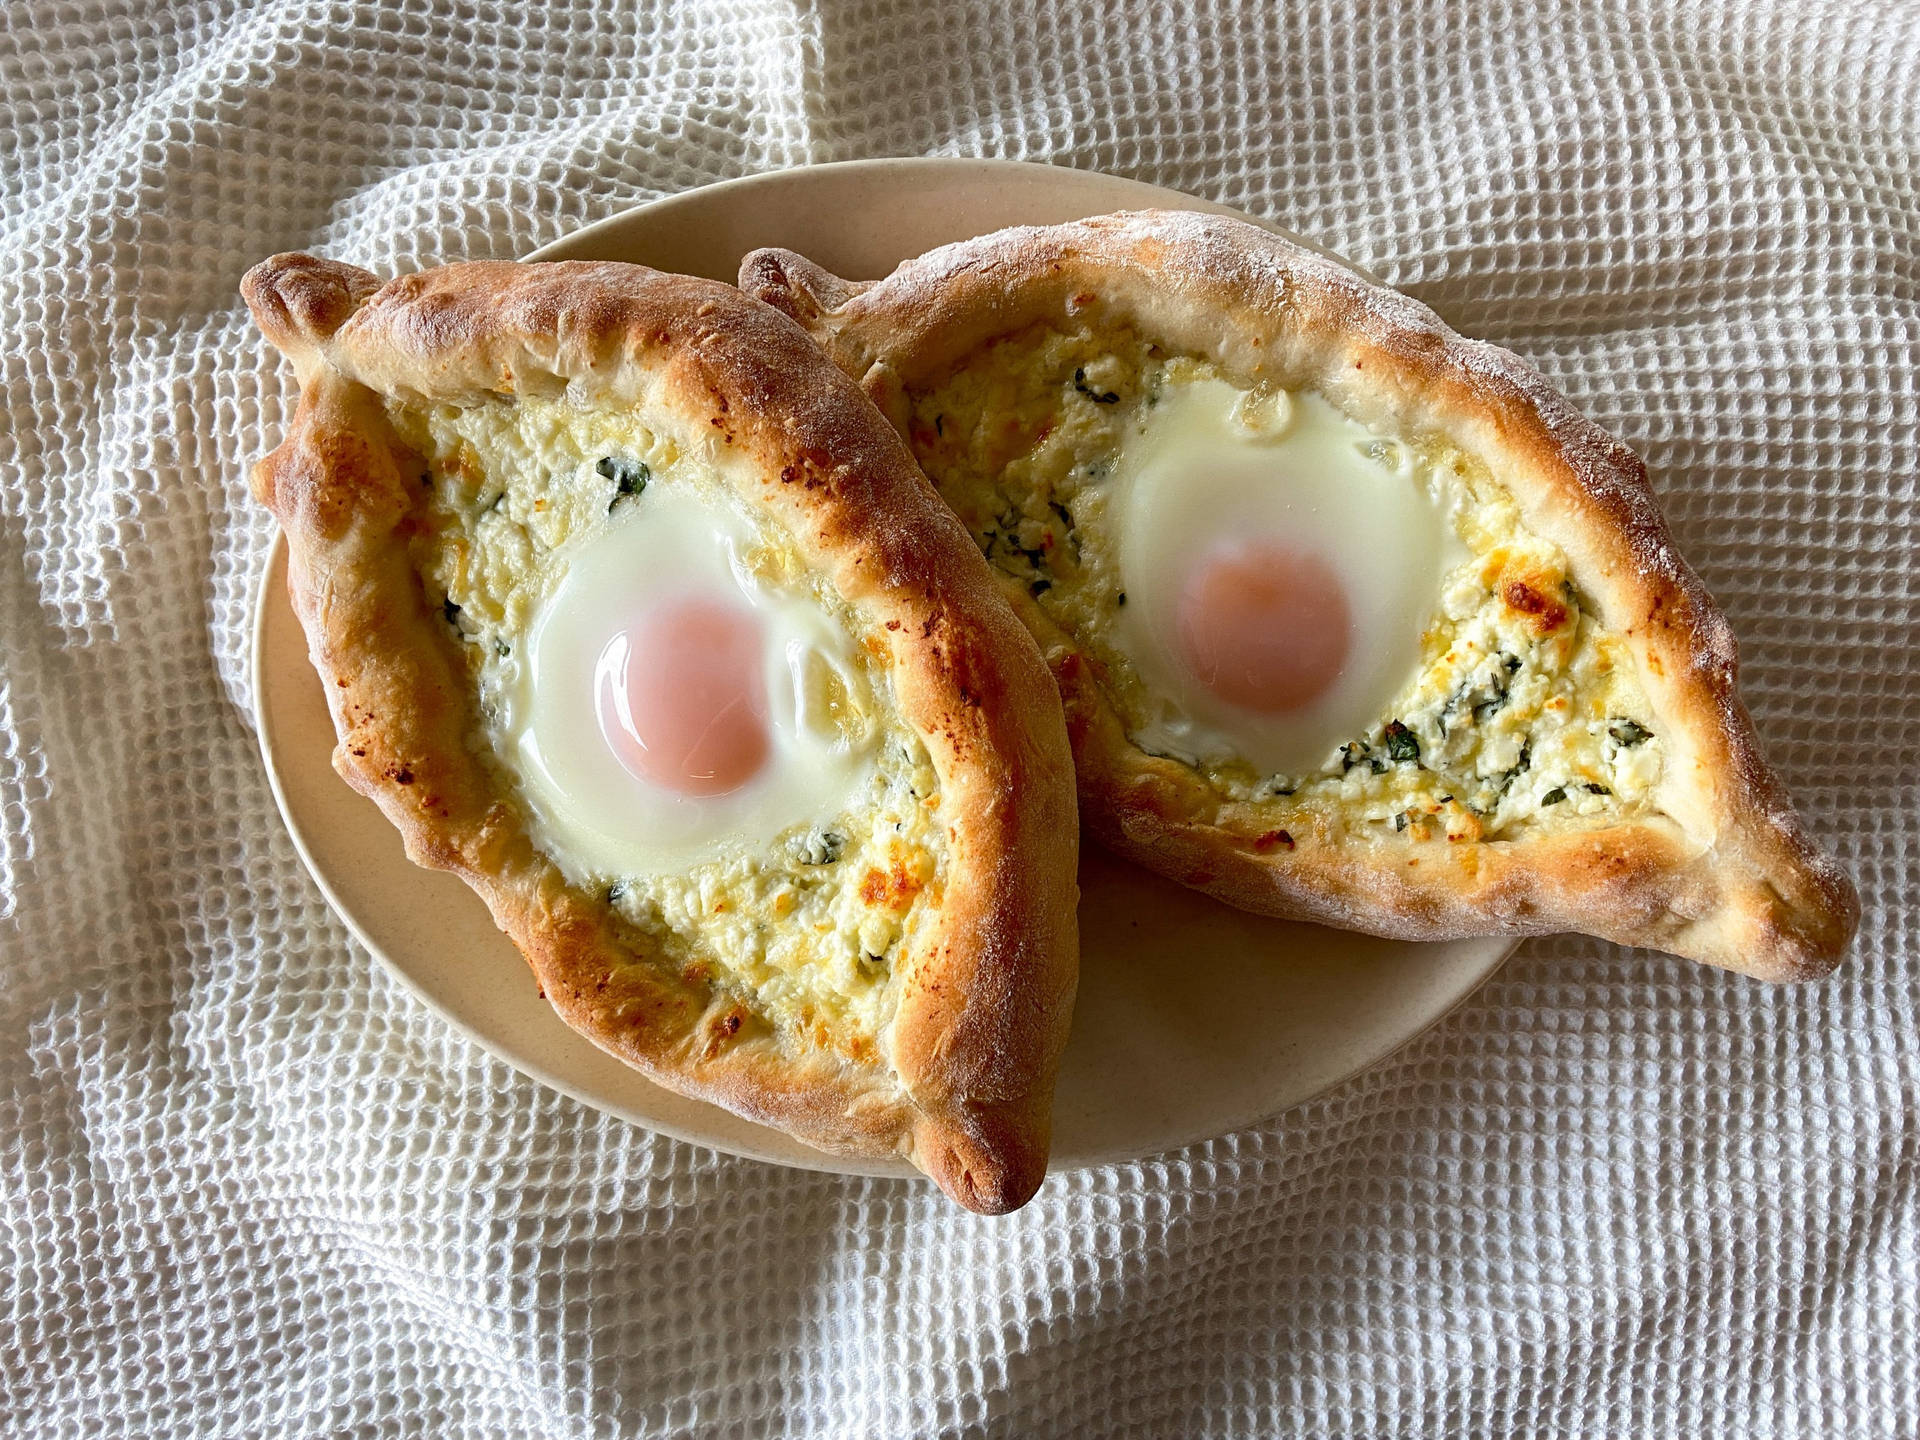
x: 681, y: 694
x: 1264, y: 625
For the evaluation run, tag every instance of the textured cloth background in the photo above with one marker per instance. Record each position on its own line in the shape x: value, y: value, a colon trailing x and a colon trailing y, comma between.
x: 250, y: 1187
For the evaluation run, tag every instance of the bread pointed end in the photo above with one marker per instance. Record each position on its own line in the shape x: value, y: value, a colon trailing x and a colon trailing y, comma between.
x: 299, y: 301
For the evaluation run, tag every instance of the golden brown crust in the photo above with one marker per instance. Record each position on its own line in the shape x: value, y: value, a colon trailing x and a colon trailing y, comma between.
x: 1732, y: 878
x: 985, y: 1000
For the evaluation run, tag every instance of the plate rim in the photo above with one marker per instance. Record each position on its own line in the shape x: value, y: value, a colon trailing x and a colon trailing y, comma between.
x: 1030, y: 170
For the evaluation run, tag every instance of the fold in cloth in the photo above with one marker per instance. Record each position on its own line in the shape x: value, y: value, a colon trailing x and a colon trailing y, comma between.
x: 249, y: 1185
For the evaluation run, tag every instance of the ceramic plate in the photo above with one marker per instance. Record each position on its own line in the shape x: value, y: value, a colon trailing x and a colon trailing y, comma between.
x: 1154, y: 1062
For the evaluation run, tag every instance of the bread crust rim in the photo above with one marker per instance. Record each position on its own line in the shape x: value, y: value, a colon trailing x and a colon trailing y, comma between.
x: 984, y: 1000
x: 1739, y: 883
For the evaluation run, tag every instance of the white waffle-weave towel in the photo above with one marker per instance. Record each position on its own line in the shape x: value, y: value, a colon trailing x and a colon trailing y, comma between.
x: 248, y: 1186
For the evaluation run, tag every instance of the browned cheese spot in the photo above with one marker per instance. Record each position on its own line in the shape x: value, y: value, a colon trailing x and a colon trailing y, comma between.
x: 892, y: 888
x: 1549, y: 614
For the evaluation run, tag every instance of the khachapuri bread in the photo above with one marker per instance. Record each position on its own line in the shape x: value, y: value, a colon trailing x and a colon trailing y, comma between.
x: 1354, y: 620
x: 634, y: 613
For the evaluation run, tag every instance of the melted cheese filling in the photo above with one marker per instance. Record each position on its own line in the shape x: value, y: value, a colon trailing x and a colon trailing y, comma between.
x: 1521, y: 715
x: 802, y: 925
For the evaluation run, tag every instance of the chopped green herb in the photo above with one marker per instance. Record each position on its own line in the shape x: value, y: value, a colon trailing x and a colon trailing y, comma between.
x: 820, y: 847
x: 1352, y: 753
x: 1099, y: 397
x: 1488, y: 704
x: 616, y: 890
x: 1481, y: 702
x: 502, y: 649
x: 629, y: 477
x: 1402, y: 743
x: 1513, y: 664
x: 1400, y: 821
x: 1007, y: 538
x: 1066, y: 519
x: 1553, y: 796
x: 1629, y: 733
x: 1593, y: 789
x: 1508, y: 777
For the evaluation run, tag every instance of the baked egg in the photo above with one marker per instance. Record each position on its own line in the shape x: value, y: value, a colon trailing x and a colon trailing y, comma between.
x: 669, y: 699
x: 1279, y: 564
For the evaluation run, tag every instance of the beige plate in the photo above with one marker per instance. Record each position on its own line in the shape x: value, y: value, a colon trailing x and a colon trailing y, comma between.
x: 1193, y: 1019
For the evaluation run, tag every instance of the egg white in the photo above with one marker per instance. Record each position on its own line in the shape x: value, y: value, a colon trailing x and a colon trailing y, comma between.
x: 590, y: 810
x: 1211, y: 463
